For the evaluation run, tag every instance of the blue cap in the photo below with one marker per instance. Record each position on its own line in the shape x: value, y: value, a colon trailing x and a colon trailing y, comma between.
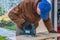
x: 45, y: 8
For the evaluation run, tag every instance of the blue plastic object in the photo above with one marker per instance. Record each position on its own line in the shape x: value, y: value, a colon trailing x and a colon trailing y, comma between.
x: 28, y: 30
x: 45, y: 8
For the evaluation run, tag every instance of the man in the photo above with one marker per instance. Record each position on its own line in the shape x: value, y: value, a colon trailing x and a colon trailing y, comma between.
x: 43, y: 10
x: 27, y: 11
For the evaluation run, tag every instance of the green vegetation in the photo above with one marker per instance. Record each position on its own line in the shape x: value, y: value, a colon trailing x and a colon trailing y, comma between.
x: 2, y: 11
x: 7, y: 23
x: 2, y: 38
x: 11, y: 27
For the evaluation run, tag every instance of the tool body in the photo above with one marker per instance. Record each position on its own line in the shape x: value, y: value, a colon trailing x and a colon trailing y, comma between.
x: 28, y: 29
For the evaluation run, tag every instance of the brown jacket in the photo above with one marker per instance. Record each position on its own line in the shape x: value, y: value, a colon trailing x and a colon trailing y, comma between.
x: 26, y: 10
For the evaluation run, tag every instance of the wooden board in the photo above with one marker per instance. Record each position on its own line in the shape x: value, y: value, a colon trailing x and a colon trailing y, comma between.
x: 39, y: 36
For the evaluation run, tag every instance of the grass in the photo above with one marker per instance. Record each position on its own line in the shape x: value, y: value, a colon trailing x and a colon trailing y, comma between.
x: 2, y: 38
x: 11, y: 27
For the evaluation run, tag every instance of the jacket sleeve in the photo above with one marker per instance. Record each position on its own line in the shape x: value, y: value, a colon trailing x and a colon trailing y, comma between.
x: 14, y: 16
x: 48, y: 24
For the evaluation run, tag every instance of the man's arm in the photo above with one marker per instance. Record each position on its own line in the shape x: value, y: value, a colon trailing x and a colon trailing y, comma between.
x: 14, y: 16
x: 48, y: 24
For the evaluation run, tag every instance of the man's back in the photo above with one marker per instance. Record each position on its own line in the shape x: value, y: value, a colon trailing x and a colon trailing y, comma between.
x: 24, y: 11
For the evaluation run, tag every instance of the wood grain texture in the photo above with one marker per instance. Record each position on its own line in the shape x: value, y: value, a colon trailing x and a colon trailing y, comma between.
x: 40, y: 36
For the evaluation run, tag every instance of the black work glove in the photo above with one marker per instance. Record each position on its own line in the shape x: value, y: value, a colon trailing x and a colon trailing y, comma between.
x: 27, y: 25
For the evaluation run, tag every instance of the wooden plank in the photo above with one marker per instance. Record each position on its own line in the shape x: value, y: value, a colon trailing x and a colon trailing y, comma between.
x: 39, y: 36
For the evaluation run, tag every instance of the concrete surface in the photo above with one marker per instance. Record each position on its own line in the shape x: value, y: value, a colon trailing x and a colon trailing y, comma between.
x: 41, y: 27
